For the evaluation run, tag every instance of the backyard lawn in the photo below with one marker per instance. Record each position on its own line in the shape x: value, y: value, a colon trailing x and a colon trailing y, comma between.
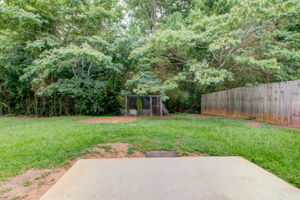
x: 50, y: 142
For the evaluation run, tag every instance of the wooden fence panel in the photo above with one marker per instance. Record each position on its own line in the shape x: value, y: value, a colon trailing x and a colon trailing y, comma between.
x: 277, y: 103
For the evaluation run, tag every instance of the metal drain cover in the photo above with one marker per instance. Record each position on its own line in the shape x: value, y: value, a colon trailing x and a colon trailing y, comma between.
x: 153, y: 154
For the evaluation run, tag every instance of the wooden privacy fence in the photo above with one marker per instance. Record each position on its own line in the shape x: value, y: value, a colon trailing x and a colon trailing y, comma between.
x: 277, y: 103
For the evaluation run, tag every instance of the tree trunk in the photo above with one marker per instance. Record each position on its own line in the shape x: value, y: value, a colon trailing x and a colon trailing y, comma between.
x: 153, y: 14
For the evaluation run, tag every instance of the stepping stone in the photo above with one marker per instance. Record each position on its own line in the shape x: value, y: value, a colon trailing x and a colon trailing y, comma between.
x: 181, y: 178
x: 155, y: 154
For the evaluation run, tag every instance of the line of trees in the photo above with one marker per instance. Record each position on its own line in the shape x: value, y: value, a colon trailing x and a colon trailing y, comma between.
x: 65, y: 57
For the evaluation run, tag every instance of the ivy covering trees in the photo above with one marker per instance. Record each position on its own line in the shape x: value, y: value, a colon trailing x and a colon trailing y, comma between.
x: 66, y: 57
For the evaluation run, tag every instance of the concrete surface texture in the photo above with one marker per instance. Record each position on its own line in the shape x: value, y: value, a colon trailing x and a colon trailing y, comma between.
x: 189, y: 178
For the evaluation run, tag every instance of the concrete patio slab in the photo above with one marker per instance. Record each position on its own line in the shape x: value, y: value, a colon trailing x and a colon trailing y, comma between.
x: 189, y: 178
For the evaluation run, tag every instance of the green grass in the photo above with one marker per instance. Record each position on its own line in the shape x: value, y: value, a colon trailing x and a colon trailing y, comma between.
x: 107, y: 148
x: 45, y: 143
x: 27, y: 183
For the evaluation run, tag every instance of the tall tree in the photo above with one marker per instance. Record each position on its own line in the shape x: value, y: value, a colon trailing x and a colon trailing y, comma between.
x: 249, y: 44
x: 148, y: 14
x: 55, y: 57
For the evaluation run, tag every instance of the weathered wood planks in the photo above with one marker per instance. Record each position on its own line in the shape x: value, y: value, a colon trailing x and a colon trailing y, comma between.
x: 277, y: 103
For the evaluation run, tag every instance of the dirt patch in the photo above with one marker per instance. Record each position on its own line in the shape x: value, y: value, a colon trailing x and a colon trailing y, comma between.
x: 112, y: 150
x: 192, y: 155
x: 32, y: 184
x: 197, y: 117
x: 253, y: 124
x: 96, y: 120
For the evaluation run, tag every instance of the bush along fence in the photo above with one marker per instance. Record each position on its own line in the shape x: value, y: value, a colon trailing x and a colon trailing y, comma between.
x: 277, y: 103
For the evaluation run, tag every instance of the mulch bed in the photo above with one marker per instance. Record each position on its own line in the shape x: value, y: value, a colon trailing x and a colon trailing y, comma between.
x: 198, y: 117
x: 114, y: 120
x: 253, y: 124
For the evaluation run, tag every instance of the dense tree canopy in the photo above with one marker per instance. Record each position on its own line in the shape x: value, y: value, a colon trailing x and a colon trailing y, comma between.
x: 80, y: 56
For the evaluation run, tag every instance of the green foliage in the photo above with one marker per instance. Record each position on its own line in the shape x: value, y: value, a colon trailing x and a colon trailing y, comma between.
x: 66, y: 56
x: 215, y: 7
x: 81, y: 74
x: 244, y: 39
x: 68, y: 62
x: 142, y: 12
x: 55, y: 58
x: 222, y: 44
x: 139, y: 105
